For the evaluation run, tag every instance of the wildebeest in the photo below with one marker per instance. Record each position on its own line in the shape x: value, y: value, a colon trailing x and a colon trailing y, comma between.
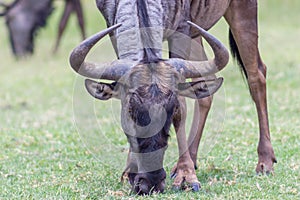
x: 147, y: 84
x: 25, y: 17
x: 151, y: 89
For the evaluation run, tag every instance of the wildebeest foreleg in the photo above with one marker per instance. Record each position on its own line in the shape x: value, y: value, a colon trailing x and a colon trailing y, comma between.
x: 184, y: 169
x: 80, y: 18
x: 242, y: 19
x: 201, y: 107
x: 70, y: 6
x: 63, y: 22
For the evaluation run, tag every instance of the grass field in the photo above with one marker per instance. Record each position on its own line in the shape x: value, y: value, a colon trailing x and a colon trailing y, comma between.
x: 56, y: 142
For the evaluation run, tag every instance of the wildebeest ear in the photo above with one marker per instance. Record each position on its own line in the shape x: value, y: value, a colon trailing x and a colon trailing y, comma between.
x: 102, y: 91
x: 199, y: 89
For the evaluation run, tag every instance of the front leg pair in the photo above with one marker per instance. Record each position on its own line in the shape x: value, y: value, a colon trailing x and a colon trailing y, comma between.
x: 184, y: 171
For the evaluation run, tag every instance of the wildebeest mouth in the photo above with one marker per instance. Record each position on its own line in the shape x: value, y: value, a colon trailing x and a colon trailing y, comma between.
x: 148, y: 183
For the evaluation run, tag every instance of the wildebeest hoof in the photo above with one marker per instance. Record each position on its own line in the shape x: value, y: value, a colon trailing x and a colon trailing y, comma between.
x: 263, y: 170
x: 265, y: 167
x: 196, y: 187
x: 266, y: 159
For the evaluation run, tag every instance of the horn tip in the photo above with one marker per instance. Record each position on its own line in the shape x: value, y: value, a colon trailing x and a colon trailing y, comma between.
x: 195, y: 25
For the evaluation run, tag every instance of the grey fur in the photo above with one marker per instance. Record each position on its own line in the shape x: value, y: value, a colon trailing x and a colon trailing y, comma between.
x: 163, y: 17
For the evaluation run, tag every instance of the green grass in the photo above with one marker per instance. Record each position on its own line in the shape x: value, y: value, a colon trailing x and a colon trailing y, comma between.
x: 44, y: 155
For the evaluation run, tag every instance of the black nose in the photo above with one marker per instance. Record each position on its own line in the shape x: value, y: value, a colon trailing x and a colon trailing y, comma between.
x: 148, y: 183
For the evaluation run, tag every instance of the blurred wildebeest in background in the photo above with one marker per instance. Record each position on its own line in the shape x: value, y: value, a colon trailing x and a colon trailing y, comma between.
x: 25, y: 17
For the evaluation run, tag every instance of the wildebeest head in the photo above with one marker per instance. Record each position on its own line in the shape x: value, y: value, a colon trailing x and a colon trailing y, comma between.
x: 23, y: 19
x: 149, y: 94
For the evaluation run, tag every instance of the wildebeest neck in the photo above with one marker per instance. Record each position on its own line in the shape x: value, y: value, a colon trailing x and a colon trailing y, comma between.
x: 137, y: 38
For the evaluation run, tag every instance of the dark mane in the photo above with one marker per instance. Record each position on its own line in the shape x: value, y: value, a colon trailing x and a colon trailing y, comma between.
x: 146, y: 33
x: 236, y: 54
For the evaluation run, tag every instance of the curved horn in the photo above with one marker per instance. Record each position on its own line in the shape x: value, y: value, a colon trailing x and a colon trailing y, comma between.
x: 109, y: 71
x: 194, y: 69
